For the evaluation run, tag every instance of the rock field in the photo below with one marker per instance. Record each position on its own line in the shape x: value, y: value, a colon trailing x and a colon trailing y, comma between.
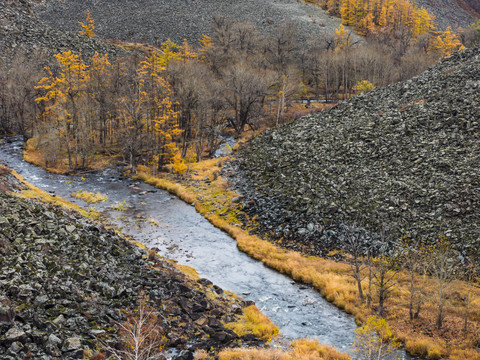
x: 407, y: 154
x: 65, y: 281
x: 20, y: 29
x: 154, y: 21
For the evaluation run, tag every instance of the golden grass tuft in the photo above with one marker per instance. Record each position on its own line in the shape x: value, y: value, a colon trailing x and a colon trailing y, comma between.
x: 90, y: 197
x: 304, y: 349
x: 123, y: 206
x: 35, y: 193
x: 300, y: 350
x: 469, y: 354
x: 252, y: 321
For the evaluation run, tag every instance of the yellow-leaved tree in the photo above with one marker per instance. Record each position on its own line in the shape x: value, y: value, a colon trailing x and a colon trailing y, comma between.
x: 160, y: 116
x: 88, y: 26
x: 374, y: 340
x: 65, y: 100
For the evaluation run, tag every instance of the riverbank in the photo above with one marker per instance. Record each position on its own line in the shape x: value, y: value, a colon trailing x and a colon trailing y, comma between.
x: 69, y: 286
x: 215, y: 200
x: 40, y: 177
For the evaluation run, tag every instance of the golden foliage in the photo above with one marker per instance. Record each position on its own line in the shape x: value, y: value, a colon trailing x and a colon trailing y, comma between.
x: 363, y: 86
x: 88, y: 27
x: 370, y: 16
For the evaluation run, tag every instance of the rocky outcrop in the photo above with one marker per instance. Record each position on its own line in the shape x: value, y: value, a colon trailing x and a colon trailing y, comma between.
x: 65, y: 281
x: 407, y: 154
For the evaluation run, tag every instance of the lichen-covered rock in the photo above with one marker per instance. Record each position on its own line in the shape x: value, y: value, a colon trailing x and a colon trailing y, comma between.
x: 405, y: 154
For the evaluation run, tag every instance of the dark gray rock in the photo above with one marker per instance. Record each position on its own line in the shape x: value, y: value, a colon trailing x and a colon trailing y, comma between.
x: 405, y: 155
x: 64, y: 289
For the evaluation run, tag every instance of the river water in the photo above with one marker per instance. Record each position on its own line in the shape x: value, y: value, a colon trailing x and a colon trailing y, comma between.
x: 158, y: 219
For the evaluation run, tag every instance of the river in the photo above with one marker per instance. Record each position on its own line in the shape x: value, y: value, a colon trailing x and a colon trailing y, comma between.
x: 158, y: 219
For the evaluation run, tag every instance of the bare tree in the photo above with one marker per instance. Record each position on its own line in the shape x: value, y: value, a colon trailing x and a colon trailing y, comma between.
x: 141, y: 335
x: 470, y: 272
x: 244, y: 91
x: 355, y: 245
x: 444, y: 263
x: 416, y: 261
x: 384, y: 268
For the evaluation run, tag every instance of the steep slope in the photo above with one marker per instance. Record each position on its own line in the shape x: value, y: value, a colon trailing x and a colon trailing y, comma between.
x: 454, y: 13
x: 408, y: 153
x: 20, y: 29
x: 65, y: 281
x: 157, y: 20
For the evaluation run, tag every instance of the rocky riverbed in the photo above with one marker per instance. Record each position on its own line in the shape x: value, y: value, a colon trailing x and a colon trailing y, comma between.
x: 65, y: 281
x: 406, y: 155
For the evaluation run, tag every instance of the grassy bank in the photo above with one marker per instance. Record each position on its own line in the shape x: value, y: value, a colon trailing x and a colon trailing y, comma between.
x: 34, y: 155
x: 215, y: 201
x: 33, y: 192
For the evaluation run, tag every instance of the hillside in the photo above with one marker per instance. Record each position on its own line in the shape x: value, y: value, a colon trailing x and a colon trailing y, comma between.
x: 407, y: 153
x: 454, y: 13
x: 151, y: 21
x: 21, y: 29
x: 155, y: 21
x: 66, y: 282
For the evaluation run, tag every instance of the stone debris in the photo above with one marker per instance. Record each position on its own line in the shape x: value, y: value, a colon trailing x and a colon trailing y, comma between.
x: 407, y: 154
x: 60, y: 290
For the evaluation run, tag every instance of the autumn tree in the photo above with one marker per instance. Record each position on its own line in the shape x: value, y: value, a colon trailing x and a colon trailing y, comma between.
x: 88, y: 27
x: 99, y: 90
x: 374, y: 340
x: 64, y: 97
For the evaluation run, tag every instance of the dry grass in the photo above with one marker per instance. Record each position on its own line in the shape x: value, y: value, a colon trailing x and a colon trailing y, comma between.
x: 214, y: 201
x: 35, y: 193
x: 300, y: 350
x: 252, y: 321
x: 90, y: 197
x: 35, y: 156
x: 123, y: 206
